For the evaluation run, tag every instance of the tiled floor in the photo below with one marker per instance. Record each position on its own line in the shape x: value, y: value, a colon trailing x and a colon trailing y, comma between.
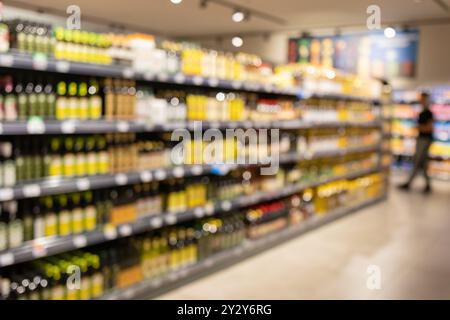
x: 406, y: 237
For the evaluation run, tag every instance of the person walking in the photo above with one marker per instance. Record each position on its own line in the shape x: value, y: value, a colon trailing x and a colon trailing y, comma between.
x: 423, y: 143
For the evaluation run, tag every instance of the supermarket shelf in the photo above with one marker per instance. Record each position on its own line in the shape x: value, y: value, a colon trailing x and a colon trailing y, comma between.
x: 153, y: 288
x: 52, y: 186
x: 55, y: 245
x: 37, y: 126
x: 38, y: 63
x: 340, y: 96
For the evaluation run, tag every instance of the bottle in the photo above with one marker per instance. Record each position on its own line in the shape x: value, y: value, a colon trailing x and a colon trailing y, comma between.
x: 38, y: 220
x: 50, y: 100
x: 77, y: 213
x: 50, y: 217
x: 83, y: 101
x: 10, y: 100
x: 90, y: 211
x: 61, y: 101
x: 80, y: 155
x: 32, y: 99
x: 69, y: 157
x: 63, y: 215
x: 73, y: 101
x: 27, y: 214
x: 110, y: 99
x: 40, y: 98
x: 4, y: 32
x: 56, y: 159
x: 4, y: 220
x: 16, y: 225
x: 8, y: 166
x: 95, y: 101
x: 22, y: 100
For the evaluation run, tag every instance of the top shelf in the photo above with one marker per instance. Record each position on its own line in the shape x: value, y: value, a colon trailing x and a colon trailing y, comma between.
x: 49, y: 64
x: 23, y: 61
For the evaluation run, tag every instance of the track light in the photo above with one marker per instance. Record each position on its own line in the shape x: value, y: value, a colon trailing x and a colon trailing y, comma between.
x: 237, y: 42
x: 176, y: 1
x: 238, y: 16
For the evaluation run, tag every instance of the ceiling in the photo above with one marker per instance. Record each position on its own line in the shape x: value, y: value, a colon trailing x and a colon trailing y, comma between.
x: 188, y: 19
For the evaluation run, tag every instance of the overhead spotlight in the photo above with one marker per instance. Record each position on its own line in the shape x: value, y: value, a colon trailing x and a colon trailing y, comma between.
x: 238, y: 16
x: 389, y: 32
x: 176, y: 1
x: 203, y: 4
x: 237, y: 42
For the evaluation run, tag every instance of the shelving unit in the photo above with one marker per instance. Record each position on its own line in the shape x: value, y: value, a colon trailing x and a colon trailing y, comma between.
x: 107, y: 233
x: 153, y: 288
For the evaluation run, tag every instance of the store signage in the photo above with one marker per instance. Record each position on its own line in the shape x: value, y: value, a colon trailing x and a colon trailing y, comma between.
x: 365, y: 54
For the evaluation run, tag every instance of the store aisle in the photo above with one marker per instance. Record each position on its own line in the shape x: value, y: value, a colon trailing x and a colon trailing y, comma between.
x: 407, y: 237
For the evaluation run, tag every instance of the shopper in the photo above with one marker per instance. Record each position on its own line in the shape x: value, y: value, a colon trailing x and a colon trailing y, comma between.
x: 423, y: 143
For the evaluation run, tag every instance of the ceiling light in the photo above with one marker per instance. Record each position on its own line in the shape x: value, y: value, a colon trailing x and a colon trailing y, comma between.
x: 238, y: 16
x: 237, y: 42
x: 176, y: 1
x: 389, y: 32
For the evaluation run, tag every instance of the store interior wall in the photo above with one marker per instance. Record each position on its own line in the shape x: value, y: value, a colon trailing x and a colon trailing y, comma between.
x: 433, y: 65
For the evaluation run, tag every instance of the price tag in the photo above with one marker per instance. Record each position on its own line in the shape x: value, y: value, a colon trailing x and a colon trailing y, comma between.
x: 6, y: 60
x: 248, y: 124
x: 160, y: 174
x: 178, y: 172
x: 31, y: 191
x: 128, y: 294
x: 123, y: 126
x: 209, y: 209
x: 125, y: 230
x: 198, y: 81
x: 121, y: 179
x: 68, y: 127
x: 236, y: 84
x: 6, y: 194
x: 83, y: 184
x: 173, y: 277
x: 110, y: 232
x: 199, y: 212
x: 156, y: 222
x: 40, y: 61
x: 35, y: 126
x: 184, y: 273
x: 149, y: 76
x: 268, y: 88
x: 156, y: 283
x: 197, y: 170
x: 62, y: 66
x: 39, y: 249
x: 179, y: 78
x: 213, y: 82
x: 209, y: 263
x: 214, y: 125
x: 163, y: 77
x: 6, y: 259
x: 146, y: 176
x: 80, y: 241
x: 226, y: 205
x: 128, y: 73
x: 171, y: 219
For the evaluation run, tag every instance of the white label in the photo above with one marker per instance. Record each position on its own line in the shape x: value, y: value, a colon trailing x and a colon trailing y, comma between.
x: 160, y: 174
x: 236, y: 84
x: 40, y: 62
x: 6, y: 194
x: 156, y: 222
x: 209, y: 208
x: 32, y: 191
x: 123, y: 126
x: 128, y: 73
x: 179, y: 78
x: 171, y: 219
x: 68, y: 127
x: 268, y: 88
x: 6, y: 60
x: 173, y: 277
x: 35, y: 126
x: 62, y: 66
x: 146, y: 176
x: 178, y: 172
x: 83, y: 184
x: 197, y: 170
x: 213, y: 82
x: 125, y: 230
x: 6, y: 259
x: 226, y: 205
x: 214, y: 125
x: 110, y: 233
x: 209, y: 263
x: 198, y: 81
x: 80, y: 241
x: 149, y: 75
x: 162, y: 77
x: 199, y: 212
x: 39, y: 250
x: 121, y: 179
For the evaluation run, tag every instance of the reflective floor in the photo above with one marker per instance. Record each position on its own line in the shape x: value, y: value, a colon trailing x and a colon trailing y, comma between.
x: 399, y: 249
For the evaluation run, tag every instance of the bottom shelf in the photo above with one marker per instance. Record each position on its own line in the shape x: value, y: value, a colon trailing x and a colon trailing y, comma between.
x: 152, y: 288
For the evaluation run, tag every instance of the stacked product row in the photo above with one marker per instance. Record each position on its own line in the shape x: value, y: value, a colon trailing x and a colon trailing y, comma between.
x: 125, y: 262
